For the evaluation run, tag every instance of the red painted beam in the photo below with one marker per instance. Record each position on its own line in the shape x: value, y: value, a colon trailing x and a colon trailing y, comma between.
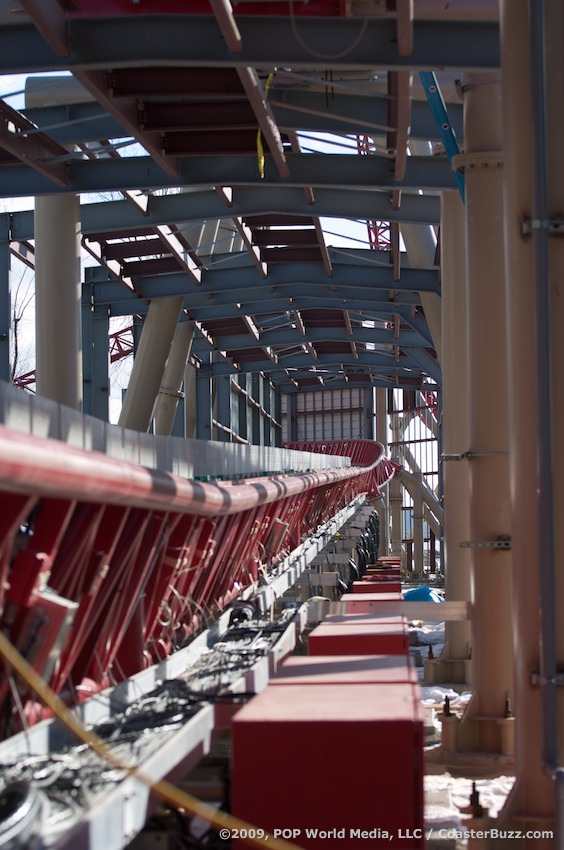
x: 110, y: 8
x: 47, y: 467
x: 51, y: 21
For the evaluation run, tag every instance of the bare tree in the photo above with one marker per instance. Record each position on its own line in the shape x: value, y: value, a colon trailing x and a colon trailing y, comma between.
x: 22, y: 299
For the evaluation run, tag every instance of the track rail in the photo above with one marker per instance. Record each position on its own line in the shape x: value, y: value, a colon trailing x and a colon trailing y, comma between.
x: 107, y: 566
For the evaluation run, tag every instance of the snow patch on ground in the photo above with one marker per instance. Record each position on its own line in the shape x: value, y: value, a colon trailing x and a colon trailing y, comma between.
x: 446, y: 796
x: 435, y: 695
x: 428, y: 634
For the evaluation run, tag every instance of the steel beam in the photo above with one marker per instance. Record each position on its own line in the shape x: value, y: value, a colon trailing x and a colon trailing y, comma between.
x: 228, y: 310
x: 283, y: 299
x: 404, y: 23
x: 5, y: 301
x: 95, y: 357
x: 71, y: 123
x: 360, y: 111
x: 226, y: 20
x: 292, y: 337
x: 204, y: 401
x: 322, y: 171
x: 267, y: 403
x: 126, y: 111
x: 45, y: 157
x: 268, y: 42
x: 235, y: 413
x: 417, y: 322
x: 427, y: 363
x: 367, y: 257
x: 245, y: 421
x: 257, y: 98
x: 383, y: 364
x: 51, y: 21
x: 222, y: 387
x: 256, y: 393
x: 342, y: 383
x: 118, y: 216
x: 345, y: 279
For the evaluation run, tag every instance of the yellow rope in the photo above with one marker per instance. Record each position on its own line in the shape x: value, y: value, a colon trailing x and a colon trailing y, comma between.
x: 164, y: 790
x: 260, y: 148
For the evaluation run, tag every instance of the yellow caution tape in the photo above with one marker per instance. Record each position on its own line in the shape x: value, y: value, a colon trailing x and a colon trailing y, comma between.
x: 165, y: 790
x: 260, y: 148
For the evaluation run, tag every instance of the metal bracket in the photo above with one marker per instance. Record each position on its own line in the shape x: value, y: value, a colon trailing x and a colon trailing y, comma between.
x: 172, y: 393
x: 502, y: 542
x: 551, y: 225
x: 537, y: 680
x: 469, y: 455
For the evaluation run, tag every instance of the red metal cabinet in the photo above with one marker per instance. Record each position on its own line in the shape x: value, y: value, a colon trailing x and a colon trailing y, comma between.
x: 381, y: 637
x: 345, y: 669
x: 339, y: 766
x: 389, y: 560
x: 377, y: 574
x: 376, y: 587
x: 363, y: 619
x: 371, y: 603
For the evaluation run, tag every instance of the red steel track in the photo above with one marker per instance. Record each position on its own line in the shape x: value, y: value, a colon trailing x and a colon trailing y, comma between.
x: 140, y: 556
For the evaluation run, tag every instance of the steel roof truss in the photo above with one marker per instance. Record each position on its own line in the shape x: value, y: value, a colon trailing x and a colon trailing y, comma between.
x: 22, y: 139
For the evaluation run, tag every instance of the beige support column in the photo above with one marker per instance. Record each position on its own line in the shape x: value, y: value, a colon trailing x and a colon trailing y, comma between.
x: 396, y: 498
x: 420, y: 243
x: 489, y: 521
x: 532, y: 798
x: 431, y: 521
x: 382, y: 416
x: 423, y: 507
x: 416, y: 487
x: 57, y: 299
x: 170, y: 391
x: 150, y: 361
x: 454, y: 664
x: 382, y: 506
x: 418, y: 525
x: 190, y: 401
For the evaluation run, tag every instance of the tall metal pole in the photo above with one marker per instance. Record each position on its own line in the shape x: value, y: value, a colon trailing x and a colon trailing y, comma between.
x: 5, y: 301
x: 382, y: 437
x: 170, y: 391
x: 58, y: 295
x: 190, y: 400
x: 421, y: 243
x: 455, y: 431
x: 418, y: 517
x: 204, y: 399
x: 95, y: 357
x: 150, y: 361
x: 532, y: 799
x: 396, y: 497
x: 489, y: 520
x: 222, y: 386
